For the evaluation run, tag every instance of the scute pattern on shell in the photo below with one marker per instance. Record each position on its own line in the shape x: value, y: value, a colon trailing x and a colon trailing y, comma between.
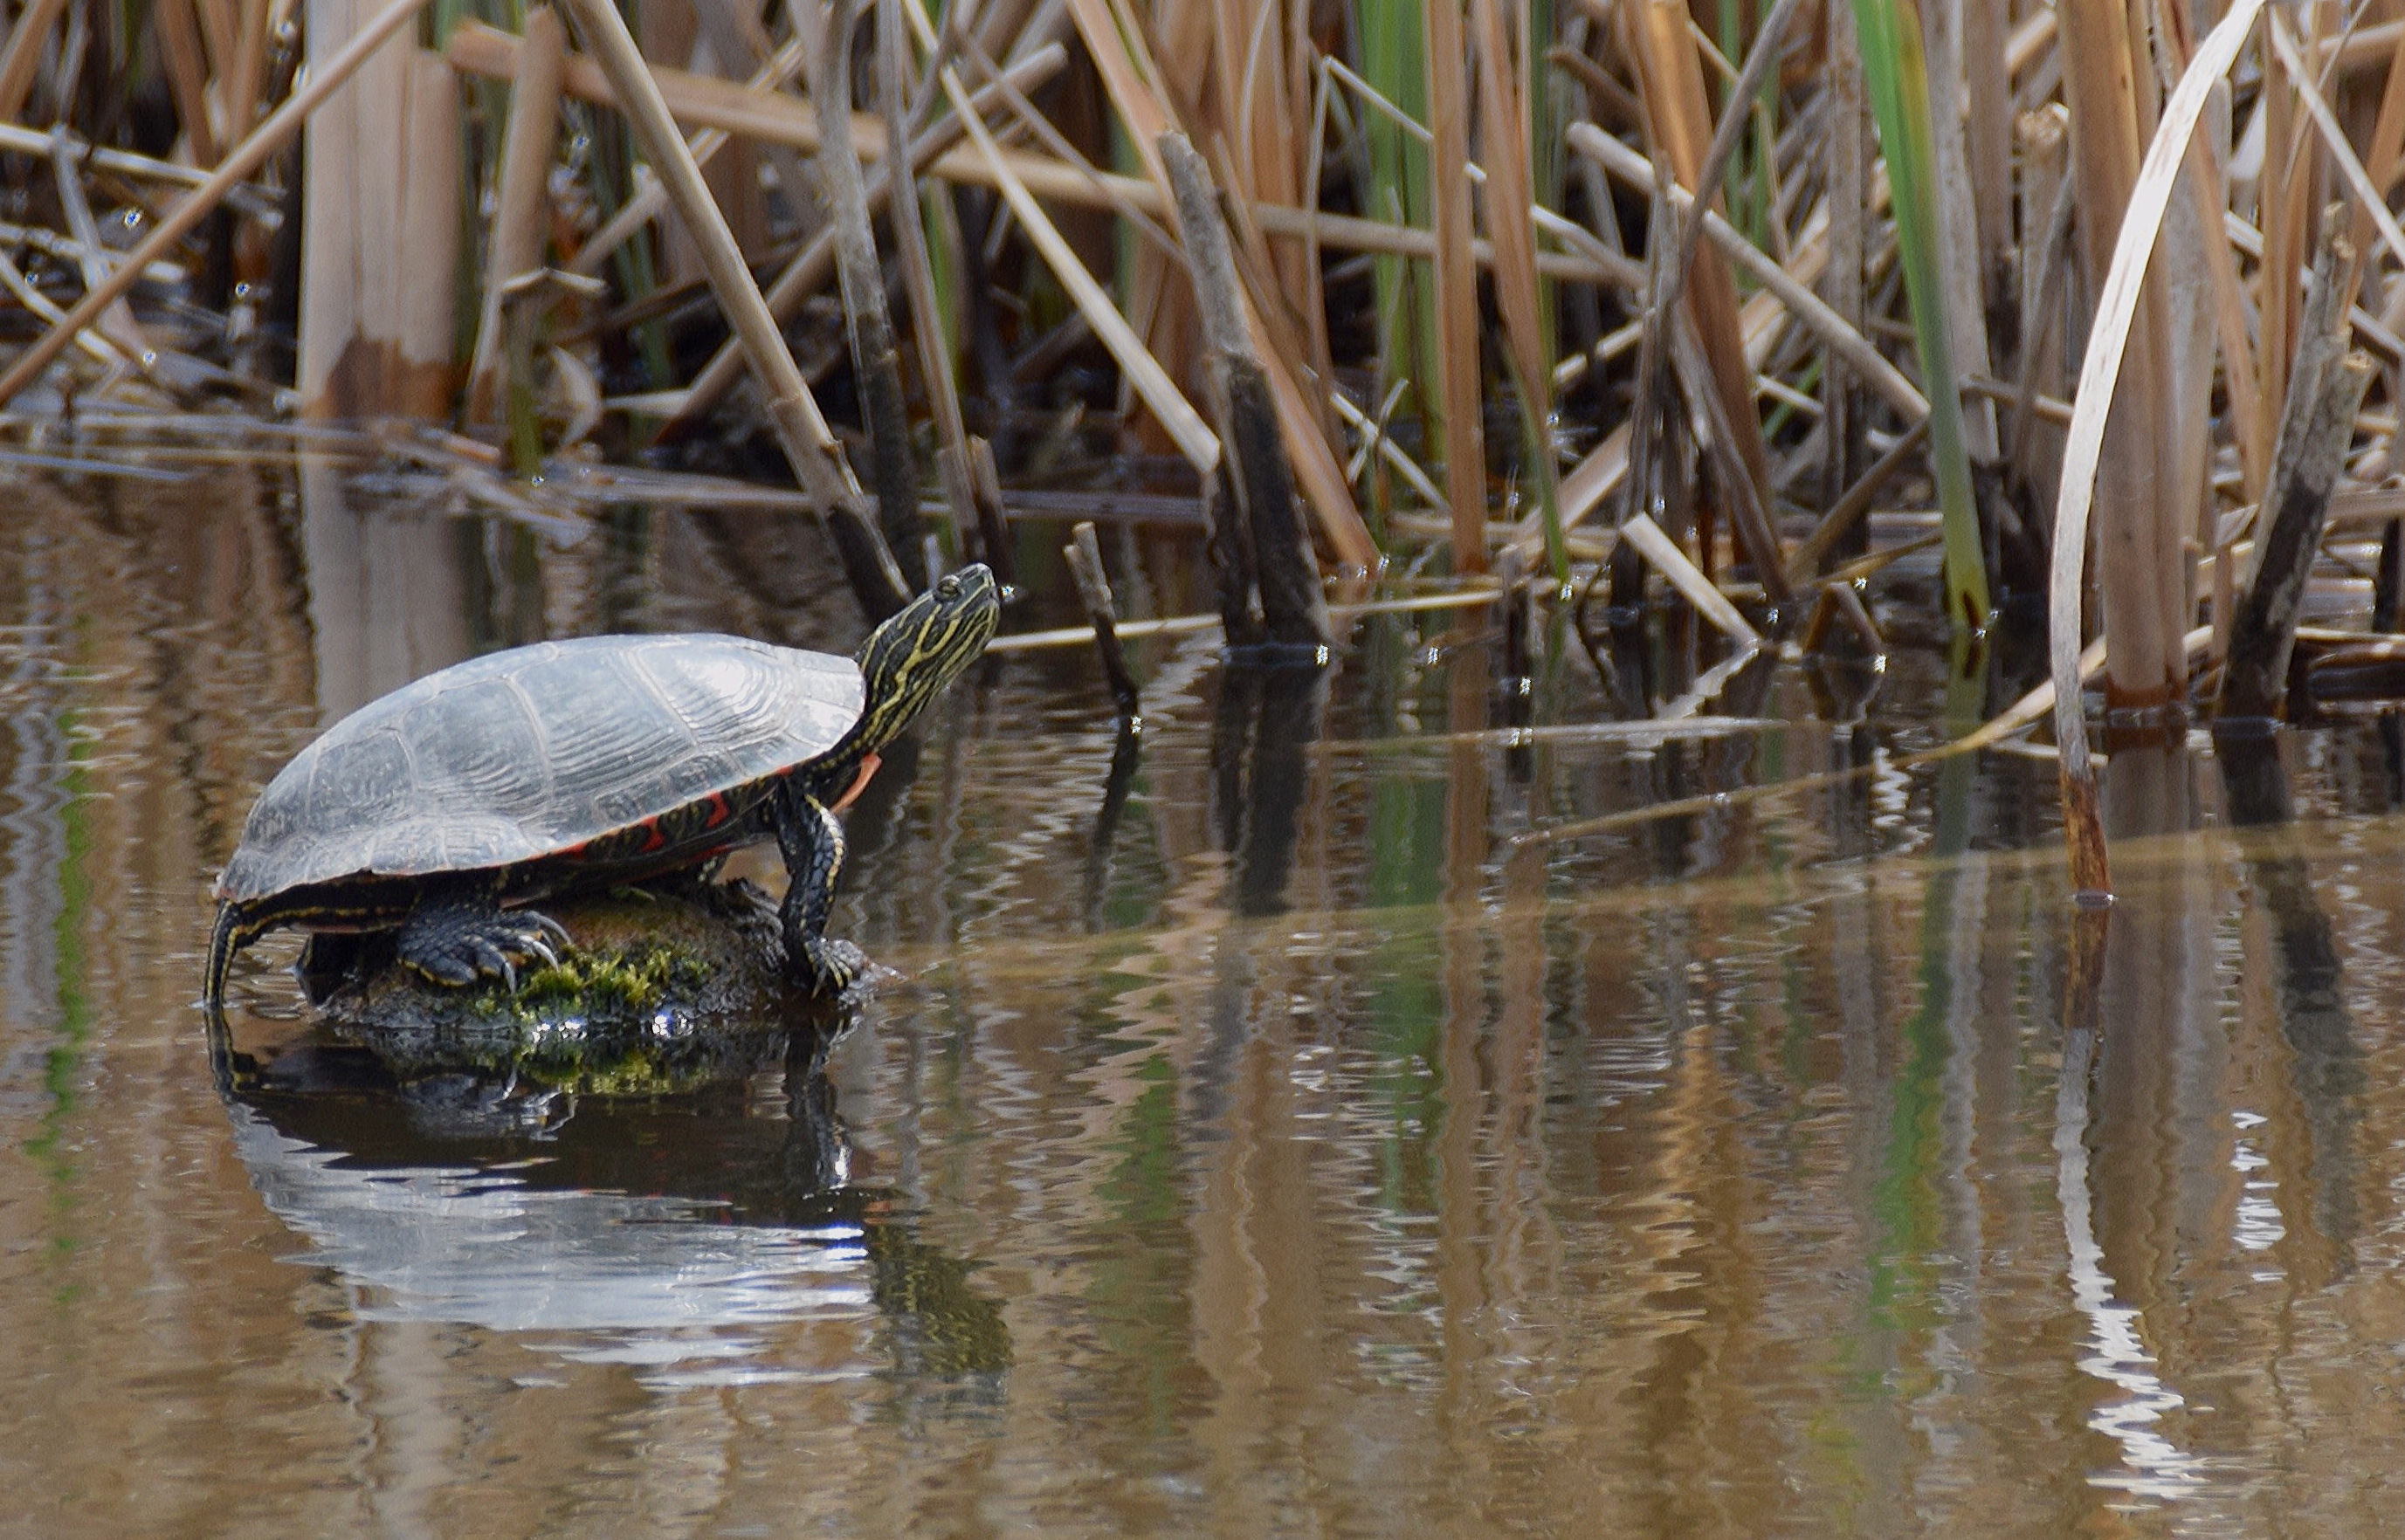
x: 526, y: 754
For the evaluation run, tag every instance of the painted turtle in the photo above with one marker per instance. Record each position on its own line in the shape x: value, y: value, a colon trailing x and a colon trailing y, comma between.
x: 443, y: 810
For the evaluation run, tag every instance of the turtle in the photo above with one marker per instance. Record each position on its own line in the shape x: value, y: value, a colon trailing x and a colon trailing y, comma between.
x: 443, y: 811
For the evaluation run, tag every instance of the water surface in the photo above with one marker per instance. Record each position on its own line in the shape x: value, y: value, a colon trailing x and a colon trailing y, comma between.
x: 1267, y: 1144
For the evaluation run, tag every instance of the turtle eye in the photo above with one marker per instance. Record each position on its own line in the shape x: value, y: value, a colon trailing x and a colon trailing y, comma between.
x: 947, y: 587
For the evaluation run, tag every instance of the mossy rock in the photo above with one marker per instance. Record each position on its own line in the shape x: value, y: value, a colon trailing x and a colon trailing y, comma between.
x: 662, y: 991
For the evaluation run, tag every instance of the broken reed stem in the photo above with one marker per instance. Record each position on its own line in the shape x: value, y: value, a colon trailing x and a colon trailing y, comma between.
x: 1641, y: 459
x: 1847, y: 147
x: 2209, y: 186
x: 877, y: 363
x: 1857, y: 617
x: 2326, y: 384
x: 1514, y: 596
x: 1228, y: 533
x: 1294, y: 610
x: 174, y: 226
x: 522, y: 205
x: 2380, y: 161
x: 1647, y: 538
x: 2263, y: 627
x: 809, y: 445
x: 1085, y: 557
x: 1747, y: 518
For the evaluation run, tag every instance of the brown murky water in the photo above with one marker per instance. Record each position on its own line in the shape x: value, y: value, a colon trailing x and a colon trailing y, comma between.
x: 1273, y: 1148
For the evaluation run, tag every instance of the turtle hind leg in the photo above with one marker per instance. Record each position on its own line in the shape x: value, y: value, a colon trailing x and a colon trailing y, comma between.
x: 456, y: 936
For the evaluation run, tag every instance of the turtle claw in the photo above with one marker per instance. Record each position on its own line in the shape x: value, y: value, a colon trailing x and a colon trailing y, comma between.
x: 832, y: 968
x: 443, y: 969
x: 491, y: 959
x: 459, y: 942
x: 535, y: 936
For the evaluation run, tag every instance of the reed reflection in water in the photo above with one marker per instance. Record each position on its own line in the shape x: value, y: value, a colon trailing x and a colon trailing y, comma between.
x: 1256, y: 1141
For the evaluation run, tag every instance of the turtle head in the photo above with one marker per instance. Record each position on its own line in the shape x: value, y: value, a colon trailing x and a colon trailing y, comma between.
x: 907, y: 661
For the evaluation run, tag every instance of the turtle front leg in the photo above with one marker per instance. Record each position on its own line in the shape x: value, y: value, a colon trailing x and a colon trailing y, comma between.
x: 811, y: 841
x: 458, y: 934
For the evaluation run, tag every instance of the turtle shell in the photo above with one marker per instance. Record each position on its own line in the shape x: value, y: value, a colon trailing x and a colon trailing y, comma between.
x: 535, y: 752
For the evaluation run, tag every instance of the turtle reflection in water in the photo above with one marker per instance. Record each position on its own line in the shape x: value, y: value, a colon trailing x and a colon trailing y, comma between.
x: 675, y: 1221
x: 442, y: 811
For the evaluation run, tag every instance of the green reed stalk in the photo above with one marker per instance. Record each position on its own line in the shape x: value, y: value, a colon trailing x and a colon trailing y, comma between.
x: 1896, y: 68
x: 1553, y: 107
x: 1544, y: 485
x: 1736, y: 182
x: 1746, y: 184
x: 488, y: 106
x: 610, y: 168
x: 944, y: 263
x: 1762, y: 186
x: 1394, y: 47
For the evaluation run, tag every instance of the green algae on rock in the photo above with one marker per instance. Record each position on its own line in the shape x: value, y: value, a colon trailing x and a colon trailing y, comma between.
x: 662, y: 990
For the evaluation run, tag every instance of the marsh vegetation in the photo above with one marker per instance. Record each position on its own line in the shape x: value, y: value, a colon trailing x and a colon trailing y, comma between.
x: 1380, y: 288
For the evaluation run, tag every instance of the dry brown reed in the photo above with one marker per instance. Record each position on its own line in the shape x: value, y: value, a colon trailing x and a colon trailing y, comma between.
x: 28, y: 35
x: 1455, y: 280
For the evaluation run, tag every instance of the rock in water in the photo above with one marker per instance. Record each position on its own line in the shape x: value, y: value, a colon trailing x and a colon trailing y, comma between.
x: 663, y: 989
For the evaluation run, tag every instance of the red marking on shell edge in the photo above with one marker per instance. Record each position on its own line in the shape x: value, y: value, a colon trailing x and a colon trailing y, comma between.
x: 859, y: 783
x: 652, y: 838
x: 719, y: 810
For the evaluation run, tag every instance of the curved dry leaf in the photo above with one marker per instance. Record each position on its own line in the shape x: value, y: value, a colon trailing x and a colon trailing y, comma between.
x: 2117, y: 306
